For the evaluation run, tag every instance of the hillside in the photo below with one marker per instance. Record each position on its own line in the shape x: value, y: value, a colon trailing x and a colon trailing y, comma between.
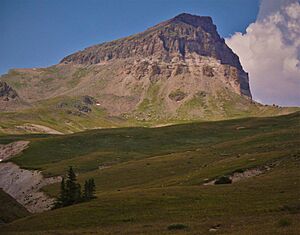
x: 150, y: 178
x: 180, y: 70
x: 10, y: 210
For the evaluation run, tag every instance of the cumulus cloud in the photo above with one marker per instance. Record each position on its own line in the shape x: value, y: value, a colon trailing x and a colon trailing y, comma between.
x: 270, y: 52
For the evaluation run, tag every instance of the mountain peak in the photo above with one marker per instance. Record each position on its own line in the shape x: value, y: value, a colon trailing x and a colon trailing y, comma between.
x: 193, y: 20
x: 181, y: 35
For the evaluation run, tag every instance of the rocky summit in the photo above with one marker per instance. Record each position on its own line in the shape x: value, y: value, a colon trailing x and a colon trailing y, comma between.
x: 178, y: 70
x: 184, y: 39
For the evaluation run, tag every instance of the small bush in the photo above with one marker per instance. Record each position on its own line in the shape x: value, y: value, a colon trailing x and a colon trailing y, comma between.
x: 239, y: 171
x: 223, y: 180
x: 284, y: 223
x: 177, y: 226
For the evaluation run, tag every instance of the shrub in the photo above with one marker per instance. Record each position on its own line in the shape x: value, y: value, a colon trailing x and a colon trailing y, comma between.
x: 239, y: 171
x: 177, y: 226
x: 223, y: 180
x: 284, y: 223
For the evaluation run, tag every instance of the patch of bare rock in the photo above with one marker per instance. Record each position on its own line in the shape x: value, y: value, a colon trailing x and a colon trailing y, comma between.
x: 24, y: 185
x: 9, y: 150
x: 35, y: 128
x: 239, y: 175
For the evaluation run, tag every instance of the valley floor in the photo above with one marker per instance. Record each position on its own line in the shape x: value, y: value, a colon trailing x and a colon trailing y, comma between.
x: 152, y: 180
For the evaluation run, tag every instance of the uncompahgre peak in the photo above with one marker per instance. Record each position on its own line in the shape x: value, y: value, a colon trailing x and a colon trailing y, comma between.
x: 179, y: 39
x: 178, y: 70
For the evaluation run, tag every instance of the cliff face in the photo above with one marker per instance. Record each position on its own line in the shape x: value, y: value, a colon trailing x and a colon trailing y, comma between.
x: 180, y: 37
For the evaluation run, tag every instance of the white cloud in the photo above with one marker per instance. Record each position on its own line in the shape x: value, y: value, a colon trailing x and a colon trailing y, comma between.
x: 270, y: 52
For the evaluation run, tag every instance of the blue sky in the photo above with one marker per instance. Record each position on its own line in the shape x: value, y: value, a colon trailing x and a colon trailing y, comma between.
x: 38, y: 33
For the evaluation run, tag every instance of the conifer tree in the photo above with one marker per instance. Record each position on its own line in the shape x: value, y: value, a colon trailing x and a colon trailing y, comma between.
x: 89, y: 189
x: 70, y: 190
x: 86, y: 192
x: 92, y: 188
x: 61, y: 201
x: 73, y: 190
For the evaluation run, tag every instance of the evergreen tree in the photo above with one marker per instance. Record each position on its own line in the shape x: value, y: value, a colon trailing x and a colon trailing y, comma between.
x: 61, y: 201
x: 70, y: 190
x: 89, y: 189
x: 73, y: 190
x: 92, y: 188
x: 86, y: 192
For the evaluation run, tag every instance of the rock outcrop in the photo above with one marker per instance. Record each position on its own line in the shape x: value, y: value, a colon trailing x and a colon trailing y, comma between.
x: 7, y: 93
x: 24, y: 185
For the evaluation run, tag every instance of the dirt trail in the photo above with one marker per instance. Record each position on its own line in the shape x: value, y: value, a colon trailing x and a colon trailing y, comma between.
x: 24, y: 185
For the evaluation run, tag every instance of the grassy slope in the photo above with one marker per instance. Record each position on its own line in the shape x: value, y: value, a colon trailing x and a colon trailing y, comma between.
x: 10, y: 209
x: 46, y: 88
x: 155, y: 178
x: 47, y: 113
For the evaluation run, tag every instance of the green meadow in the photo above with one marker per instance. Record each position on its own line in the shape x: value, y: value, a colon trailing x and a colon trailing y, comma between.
x: 151, y: 180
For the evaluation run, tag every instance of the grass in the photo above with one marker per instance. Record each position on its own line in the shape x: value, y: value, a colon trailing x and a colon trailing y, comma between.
x: 152, y: 107
x: 80, y: 73
x: 152, y: 178
x: 47, y: 113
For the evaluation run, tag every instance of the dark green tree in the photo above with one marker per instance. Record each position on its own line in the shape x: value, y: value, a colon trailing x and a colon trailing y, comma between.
x: 70, y: 190
x: 92, y: 187
x: 61, y: 201
x: 89, y: 189
x: 73, y: 189
x: 86, y: 192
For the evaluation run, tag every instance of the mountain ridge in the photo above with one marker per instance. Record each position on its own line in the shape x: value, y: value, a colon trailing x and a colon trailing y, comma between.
x: 204, y: 23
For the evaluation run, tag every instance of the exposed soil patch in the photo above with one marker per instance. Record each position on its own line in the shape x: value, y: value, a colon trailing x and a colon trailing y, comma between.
x: 162, y: 125
x: 237, y: 176
x: 9, y: 150
x: 35, y: 128
x: 102, y: 167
